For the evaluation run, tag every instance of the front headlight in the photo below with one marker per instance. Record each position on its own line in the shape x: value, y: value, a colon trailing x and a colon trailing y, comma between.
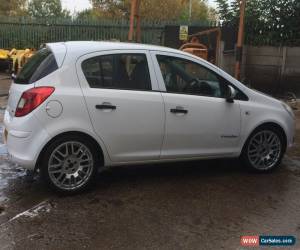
x: 288, y: 109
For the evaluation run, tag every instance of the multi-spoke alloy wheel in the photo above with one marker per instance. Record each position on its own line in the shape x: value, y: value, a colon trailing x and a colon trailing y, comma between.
x: 264, y: 148
x: 69, y: 164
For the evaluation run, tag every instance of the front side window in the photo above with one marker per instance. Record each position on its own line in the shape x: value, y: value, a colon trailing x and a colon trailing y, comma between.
x: 118, y: 71
x: 184, y: 76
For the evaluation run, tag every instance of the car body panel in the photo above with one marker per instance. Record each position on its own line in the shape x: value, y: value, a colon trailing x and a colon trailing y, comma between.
x: 134, y: 131
x: 145, y: 112
x: 60, y: 51
x: 198, y: 133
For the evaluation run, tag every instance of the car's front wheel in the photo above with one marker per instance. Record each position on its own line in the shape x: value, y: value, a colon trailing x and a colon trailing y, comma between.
x: 264, y: 149
x: 69, y: 164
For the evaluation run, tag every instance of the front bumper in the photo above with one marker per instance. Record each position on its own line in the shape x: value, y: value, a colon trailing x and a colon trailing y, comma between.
x: 290, y: 134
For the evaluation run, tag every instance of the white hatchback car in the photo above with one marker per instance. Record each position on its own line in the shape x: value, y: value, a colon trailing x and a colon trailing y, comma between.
x: 77, y: 107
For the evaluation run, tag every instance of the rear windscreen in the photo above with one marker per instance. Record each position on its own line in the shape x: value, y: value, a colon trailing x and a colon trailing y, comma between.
x: 38, y: 66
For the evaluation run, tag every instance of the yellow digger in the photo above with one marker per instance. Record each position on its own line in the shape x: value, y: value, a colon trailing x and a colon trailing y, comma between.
x: 14, y: 59
x: 19, y: 58
x: 4, y: 59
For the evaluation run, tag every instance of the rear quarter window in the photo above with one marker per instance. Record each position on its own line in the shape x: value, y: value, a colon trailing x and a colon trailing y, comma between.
x: 38, y: 66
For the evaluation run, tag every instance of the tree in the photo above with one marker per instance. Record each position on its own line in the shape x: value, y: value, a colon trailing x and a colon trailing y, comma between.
x: 46, y: 9
x: 200, y: 10
x: 87, y: 14
x: 224, y: 11
x: 269, y: 21
x: 12, y: 7
x: 159, y: 10
x: 111, y: 8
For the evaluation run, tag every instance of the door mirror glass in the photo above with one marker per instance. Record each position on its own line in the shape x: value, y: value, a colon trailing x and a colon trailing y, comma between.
x: 230, y: 95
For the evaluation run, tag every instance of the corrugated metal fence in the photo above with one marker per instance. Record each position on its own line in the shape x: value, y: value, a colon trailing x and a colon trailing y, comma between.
x: 24, y: 32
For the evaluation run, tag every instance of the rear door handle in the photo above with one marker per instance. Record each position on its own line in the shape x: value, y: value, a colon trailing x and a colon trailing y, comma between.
x: 106, y: 106
x: 179, y: 110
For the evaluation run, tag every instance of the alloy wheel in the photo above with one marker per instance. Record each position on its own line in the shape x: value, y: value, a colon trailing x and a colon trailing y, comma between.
x: 264, y: 149
x: 70, y: 165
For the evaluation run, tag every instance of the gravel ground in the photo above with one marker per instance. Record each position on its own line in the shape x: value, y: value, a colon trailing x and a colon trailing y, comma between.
x: 188, y: 205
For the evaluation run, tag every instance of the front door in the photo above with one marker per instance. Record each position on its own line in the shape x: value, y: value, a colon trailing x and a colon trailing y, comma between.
x: 199, y: 121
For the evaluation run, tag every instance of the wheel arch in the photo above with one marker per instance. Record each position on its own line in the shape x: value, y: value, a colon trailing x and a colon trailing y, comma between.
x: 78, y: 133
x: 268, y: 124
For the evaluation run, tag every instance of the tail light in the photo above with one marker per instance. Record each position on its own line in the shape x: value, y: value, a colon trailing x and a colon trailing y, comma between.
x: 31, y: 99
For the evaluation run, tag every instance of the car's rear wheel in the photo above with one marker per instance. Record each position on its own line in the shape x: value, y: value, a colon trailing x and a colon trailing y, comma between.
x: 69, y: 164
x: 264, y: 149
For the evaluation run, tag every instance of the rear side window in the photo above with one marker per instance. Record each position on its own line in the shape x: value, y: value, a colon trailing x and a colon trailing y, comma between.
x: 38, y: 66
x: 118, y: 71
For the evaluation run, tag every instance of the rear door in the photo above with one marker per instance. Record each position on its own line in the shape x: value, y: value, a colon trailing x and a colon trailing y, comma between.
x: 125, y: 108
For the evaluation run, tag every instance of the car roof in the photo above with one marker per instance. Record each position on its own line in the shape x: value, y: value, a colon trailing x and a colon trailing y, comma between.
x: 75, y: 49
x: 84, y: 47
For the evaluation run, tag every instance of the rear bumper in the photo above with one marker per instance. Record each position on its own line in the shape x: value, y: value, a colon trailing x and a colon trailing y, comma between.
x: 24, y: 143
x: 21, y: 161
x: 15, y: 153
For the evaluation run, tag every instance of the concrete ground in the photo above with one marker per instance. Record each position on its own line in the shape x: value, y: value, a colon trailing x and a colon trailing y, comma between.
x: 188, y: 205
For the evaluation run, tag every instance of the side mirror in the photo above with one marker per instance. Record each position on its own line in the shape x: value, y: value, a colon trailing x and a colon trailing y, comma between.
x: 230, y: 94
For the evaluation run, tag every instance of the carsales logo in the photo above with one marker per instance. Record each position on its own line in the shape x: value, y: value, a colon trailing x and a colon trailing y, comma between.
x: 263, y: 240
x: 250, y: 241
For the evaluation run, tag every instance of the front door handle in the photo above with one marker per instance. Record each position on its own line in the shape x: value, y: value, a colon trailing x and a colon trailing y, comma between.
x: 179, y: 110
x: 106, y: 106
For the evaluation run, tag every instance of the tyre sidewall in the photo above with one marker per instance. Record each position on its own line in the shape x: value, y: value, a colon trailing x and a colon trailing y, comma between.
x: 245, y: 157
x: 52, y: 146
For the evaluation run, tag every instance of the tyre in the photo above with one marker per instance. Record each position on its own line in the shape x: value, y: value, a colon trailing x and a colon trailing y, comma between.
x: 264, y: 149
x: 70, y: 164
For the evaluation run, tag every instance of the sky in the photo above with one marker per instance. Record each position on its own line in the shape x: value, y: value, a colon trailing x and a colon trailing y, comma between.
x: 78, y: 5
x: 75, y: 5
